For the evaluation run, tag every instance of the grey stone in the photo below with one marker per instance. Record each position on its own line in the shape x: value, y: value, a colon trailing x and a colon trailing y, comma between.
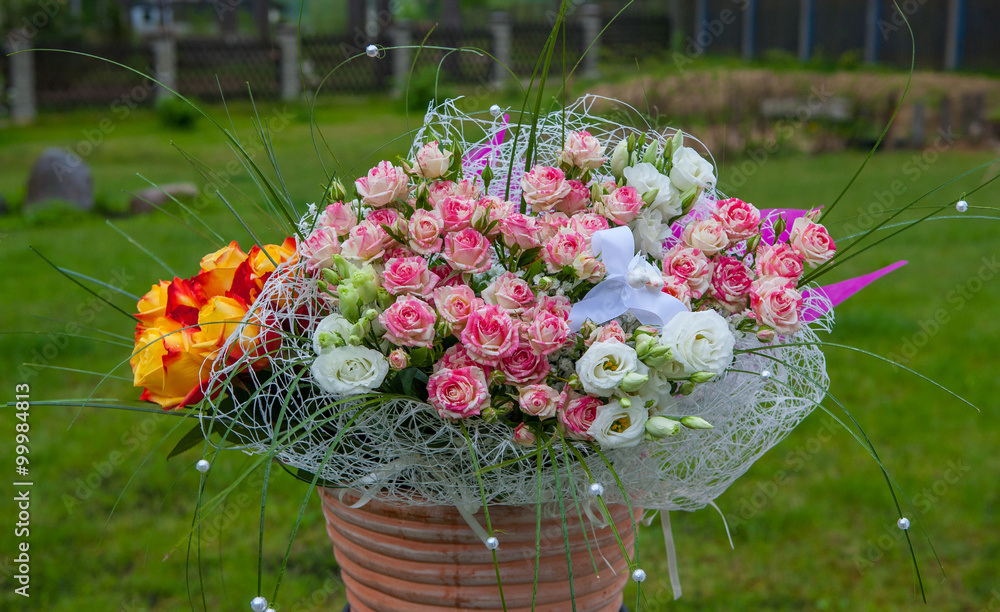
x: 61, y: 175
x: 147, y: 200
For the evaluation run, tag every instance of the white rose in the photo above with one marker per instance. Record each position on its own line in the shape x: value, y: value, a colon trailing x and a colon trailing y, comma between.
x: 617, y: 427
x: 690, y: 169
x: 332, y: 331
x: 650, y: 231
x: 700, y: 341
x: 605, y: 364
x: 708, y: 235
x: 432, y: 162
x: 645, y: 177
x: 349, y: 370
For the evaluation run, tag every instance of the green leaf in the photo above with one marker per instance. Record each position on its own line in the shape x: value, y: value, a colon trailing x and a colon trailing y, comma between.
x: 528, y: 257
x: 192, y: 438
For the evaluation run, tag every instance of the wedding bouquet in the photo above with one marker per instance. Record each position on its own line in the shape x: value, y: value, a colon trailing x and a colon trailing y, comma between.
x: 466, y: 322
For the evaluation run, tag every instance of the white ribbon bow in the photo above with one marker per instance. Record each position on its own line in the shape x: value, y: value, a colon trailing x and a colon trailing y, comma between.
x: 632, y: 285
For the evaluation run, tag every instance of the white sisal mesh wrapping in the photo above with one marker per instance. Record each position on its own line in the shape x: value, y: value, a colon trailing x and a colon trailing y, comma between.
x: 402, y: 450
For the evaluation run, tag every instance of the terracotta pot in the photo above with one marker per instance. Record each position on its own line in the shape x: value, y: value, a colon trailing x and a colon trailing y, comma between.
x: 396, y: 558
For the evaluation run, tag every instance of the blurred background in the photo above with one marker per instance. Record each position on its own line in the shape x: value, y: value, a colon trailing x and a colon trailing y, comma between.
x: 788, y: 95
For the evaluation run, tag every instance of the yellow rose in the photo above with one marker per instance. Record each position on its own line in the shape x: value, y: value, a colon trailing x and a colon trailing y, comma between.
x: 218, y: 319
x: 153, y: 305
x: 164, y: 364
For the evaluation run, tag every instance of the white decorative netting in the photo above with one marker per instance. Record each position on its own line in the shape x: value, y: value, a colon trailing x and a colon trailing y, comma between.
x: 402, y: 450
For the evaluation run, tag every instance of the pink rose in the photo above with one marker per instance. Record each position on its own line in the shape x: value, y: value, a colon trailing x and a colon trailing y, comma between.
x: 432, y: 162
x: 549, y: 225
x: 811, y: 242
x: 398, y: 359
x: 510, y: 293
x: 577, y: 200
x: 456, y: 212
x: 489, y: 335
x: 543, y: 188
x: 583, y: 151
x: 562, y: 249
x: 741, y: 220
x: 731, y: 281
x: 621, y: 206
x: 547, y: 333
x: 320, y: 247
x: 523, y: 436
x: 467, y: 188
x: 707, y: 235
x: 398, y: 252
x: 778, y: 260
x: 365, y: 242
x: 677, y: 287
x: 777, y: 304
x: 491, y: 210
x: 457, y: 357
x: 408, y: 275
x: 588, y: 268
x: 409, y: 322
x: 383, y: 184
x: 611, y: 331
x: 577, y: 415
x: 458, y: 394
x: 541, y: 401
x: 449, y: 277
x: 455, y: 304
x: 467, y: 250
x: 588, y: 224
x: 438, y: 191
x: 338, y: 216
x: 520, y: 230
x: 524, y: 366
x: 691, y: 266
x: 559, y: 305
x: 388, y: 217
x: 425, y: 229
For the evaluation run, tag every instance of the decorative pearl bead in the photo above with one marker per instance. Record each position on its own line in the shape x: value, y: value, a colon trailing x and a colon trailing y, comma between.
x: 371, y: 51
x: 903, y: 523
x: 639, y: 575
x: 596, y: 489
x: 962, y: 206
x: 202, y: 465
x: 492, y: 543
x: 495, y: 110
x: 258, y: 604
x: 765, y: 374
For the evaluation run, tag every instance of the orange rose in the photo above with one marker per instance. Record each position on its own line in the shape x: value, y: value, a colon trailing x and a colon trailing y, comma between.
x: 153, y: 305
x: 219, y: 268
x: 164, y: 364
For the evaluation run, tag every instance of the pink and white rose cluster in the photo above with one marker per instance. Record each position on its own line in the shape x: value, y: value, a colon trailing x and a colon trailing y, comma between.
x: 468, y: 295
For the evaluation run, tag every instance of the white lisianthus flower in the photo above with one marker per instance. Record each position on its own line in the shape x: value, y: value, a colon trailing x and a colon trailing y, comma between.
x: 332, y: 331
x: 645, y: 178
x: 650, y: 232
x: 349, y: 370
x: 615, y: 426
x: 690, y: 170
x: 604, y: 366
x: 700, y: 341
x: 655, y: 394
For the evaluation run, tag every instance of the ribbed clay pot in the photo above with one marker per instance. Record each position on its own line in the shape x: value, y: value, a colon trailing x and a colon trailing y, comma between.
x: 396, y: 558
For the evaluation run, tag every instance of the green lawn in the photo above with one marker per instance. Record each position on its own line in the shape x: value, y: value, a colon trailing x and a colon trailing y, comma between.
x: 813, y: 524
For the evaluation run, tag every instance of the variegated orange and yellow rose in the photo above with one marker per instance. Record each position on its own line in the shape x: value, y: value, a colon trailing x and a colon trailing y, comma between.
x: 183, y: 323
